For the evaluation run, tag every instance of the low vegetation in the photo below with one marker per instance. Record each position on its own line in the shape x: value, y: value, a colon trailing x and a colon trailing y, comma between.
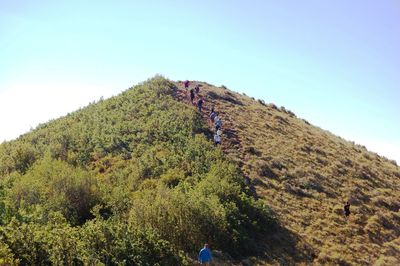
x: 135, y: 180
x: 130, y: 180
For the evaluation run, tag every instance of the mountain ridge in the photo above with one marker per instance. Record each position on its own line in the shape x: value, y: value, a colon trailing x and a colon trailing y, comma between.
x: 130, y: 141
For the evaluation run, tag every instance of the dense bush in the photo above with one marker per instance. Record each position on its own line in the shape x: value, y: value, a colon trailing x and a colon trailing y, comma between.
x: 110, y: 242
x: 57, y: 186
x: 128, y: 180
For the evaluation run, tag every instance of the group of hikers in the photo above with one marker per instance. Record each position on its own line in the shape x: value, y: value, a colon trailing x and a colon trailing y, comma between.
x: 196, y: 100
x: 194, y: 96
x: 214, y: 120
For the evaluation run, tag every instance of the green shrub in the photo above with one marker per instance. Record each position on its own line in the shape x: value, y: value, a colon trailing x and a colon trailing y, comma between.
x: 129, y: 180
x: 57, y: 186
x: 6, y: 256
x: 113, y: 242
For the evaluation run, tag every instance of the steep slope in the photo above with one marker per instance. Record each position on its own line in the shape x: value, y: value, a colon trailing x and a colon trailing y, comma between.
x: 306, y: 175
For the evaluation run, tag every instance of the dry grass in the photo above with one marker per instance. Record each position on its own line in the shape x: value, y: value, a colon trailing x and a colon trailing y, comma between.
x: 306, y: 174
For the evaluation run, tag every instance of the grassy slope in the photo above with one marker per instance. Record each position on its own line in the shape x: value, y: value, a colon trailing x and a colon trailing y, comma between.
x: 306, y: 174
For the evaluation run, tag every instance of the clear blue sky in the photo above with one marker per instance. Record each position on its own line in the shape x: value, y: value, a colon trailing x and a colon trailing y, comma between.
x: 334, y: 63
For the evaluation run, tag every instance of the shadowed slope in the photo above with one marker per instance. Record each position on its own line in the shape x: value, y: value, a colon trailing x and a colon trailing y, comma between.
x: 306, y: 174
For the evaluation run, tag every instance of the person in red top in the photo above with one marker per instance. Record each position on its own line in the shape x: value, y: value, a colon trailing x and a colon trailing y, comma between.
x: 186, y: 84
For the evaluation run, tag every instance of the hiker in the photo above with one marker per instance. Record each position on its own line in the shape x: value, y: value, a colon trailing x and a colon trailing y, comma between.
x: 212, y: 116
x: 186, y: 84
x: 200, y: 104
x: 197, y: 89
x: 191, y: 95
x: 347, y: 209
x: 217, y: 138
x: 217, y: 122
x: 205, y: 256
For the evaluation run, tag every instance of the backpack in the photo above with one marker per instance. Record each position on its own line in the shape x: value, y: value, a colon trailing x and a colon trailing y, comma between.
x: 212, y: 116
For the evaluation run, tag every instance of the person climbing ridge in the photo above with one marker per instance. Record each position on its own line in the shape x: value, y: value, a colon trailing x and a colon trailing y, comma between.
x: 217, y: 122
x: 205, y: 256
x: 217, y: 138
x: 212, y: 116
x: 197, y: 89
x: 200, y: 104
x: 186, y: 84
x: 191, y: 95
x: 347, y: 209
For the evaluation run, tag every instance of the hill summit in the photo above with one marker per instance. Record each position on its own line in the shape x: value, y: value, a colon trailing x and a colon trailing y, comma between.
x: 137, y: 180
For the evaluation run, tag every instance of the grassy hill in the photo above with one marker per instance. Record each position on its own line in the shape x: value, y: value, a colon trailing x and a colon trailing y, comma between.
x: 306, y: 175
x: 136, y: 180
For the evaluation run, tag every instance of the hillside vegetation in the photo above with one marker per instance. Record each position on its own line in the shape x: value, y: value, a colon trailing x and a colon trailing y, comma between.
x: 136, y: 180
x: 306, y: 175
x: 131, y: 180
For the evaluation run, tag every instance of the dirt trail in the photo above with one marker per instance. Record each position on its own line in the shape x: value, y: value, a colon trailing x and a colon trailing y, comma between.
x: 232, y: 144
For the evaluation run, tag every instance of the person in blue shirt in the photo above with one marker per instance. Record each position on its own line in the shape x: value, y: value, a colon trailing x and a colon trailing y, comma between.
x: 205, y: 256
